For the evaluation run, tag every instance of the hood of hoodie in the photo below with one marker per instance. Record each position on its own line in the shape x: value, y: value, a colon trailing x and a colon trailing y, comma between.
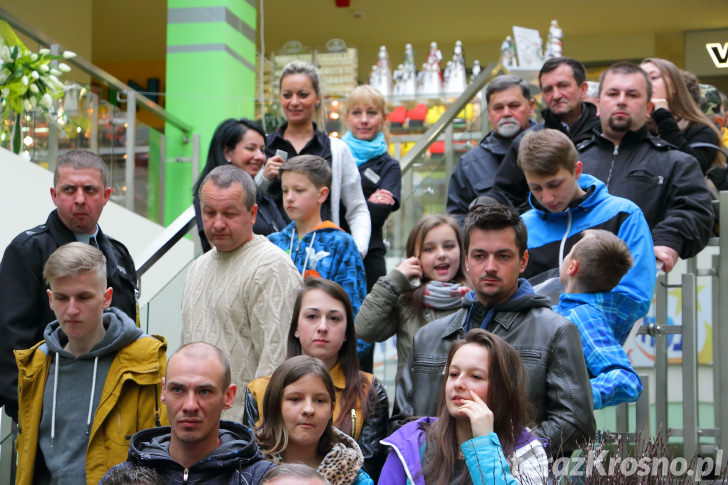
x: 150, y: 447
x: 620, y: 310
x: 120, y: 332
x: 305, y: 252
x: 595, y: 190
x: 290, y: 229
x: 478, y: 315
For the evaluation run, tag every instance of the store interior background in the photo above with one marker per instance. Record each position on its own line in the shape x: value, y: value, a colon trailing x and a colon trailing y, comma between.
x: 128, y: 38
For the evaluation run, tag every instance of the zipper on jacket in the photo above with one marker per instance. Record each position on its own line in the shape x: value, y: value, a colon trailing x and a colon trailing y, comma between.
x: 186, y: 474
x: 562, y: 246
x: 611, y: 167
x: 353, y: 423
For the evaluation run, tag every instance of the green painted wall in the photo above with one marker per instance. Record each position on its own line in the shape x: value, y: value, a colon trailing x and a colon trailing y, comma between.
x: 210, y: 77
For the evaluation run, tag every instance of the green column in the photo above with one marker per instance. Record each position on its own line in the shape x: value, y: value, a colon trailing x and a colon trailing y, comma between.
x: 210, y: 77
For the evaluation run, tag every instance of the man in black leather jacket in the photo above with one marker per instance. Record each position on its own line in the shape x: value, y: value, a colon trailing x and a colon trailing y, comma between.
x: 80, y: 191
x: 667, y: 184
x: 549, y: 346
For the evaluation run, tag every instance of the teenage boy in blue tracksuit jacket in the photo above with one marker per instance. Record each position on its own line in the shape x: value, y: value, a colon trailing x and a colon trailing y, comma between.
x: 566, y: 202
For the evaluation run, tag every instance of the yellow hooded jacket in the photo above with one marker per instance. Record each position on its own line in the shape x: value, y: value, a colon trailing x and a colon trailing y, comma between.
x: 130, y: 402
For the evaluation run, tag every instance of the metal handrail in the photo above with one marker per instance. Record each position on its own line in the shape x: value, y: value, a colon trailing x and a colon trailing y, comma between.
x: 166, y: 240
x: 430, y: 136
x: 103, y: 76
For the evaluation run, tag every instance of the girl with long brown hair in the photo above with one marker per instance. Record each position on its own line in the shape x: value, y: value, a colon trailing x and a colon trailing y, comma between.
x: 480, y: 435
x: 677, y: 119
x: 298, y: 426
x: 428, y: 285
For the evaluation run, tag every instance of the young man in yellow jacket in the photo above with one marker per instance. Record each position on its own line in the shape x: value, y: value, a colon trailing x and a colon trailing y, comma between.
x: 93, y: 382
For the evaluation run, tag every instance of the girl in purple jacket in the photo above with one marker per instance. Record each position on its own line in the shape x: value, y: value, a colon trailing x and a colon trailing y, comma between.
x: 480, y: 435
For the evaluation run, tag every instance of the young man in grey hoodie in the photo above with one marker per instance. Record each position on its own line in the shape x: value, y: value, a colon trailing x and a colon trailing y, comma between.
x: 91, y: 384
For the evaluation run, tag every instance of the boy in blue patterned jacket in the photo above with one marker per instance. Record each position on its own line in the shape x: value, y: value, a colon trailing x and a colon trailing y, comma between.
x: 589, y: 273
x: 318, y: 248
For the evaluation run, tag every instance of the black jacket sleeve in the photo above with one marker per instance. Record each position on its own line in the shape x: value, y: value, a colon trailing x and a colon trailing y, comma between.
x: 569, y: 415
x: 391, y: 180
x: 22, y: 319
x: 460, y: 192
x: 697, y: 133
x: 688, y: 221
x: 373, y: 430
x: 510, y: 187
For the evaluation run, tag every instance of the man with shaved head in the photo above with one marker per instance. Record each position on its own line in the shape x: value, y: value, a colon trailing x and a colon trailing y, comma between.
x: 198, y: 447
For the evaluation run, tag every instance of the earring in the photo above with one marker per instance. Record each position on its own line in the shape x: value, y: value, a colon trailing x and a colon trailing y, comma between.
x: 229, y: 160
x: 318, y: 104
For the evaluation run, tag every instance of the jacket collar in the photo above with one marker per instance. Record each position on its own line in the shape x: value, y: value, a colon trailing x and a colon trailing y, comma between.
x: 63, y: 235
x: 630, y: 138
x: 337, y: 375
x: 499, y: 145
x: 319, y: 144
x: 505, y: 314
x: 582, y: 127
x: 59, y: 231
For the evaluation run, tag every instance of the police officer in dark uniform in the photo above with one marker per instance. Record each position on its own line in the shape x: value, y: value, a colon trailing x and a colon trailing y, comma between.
x: 80, y: 191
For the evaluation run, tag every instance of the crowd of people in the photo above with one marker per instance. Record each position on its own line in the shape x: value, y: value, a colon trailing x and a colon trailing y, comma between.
x: 509, y: 312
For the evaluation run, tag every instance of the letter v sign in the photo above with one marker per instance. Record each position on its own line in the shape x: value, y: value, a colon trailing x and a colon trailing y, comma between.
x: 719, y: 53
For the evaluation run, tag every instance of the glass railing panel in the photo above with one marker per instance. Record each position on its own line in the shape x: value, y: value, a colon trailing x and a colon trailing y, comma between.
x: 162, y: 314
x: 425, y: 180
x: 83, y: 121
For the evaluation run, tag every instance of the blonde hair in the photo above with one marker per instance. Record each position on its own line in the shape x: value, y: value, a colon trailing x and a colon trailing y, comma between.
x: 366, y: 95
x: 73, y: 259
x: 312, y: 72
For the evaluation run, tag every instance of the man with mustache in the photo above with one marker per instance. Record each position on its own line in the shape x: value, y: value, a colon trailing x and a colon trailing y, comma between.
x: 80, y: 191
x: 495, y: 241
x: 510, y: 108
x: 563, y: 83
x: 664, y: 182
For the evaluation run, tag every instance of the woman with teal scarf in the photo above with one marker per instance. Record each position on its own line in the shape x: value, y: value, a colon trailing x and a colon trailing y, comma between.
x: 381, y: 177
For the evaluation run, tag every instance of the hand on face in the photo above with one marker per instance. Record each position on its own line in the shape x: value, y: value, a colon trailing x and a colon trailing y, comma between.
x: 479, y: 414
x: 660, y: 103
x: 410, y: 268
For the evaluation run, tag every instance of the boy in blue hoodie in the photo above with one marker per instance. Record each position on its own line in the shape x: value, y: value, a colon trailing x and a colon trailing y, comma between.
x: 590, y: 271
x: 318, y: 248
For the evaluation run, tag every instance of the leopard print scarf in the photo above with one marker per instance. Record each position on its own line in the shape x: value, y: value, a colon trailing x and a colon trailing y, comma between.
x: 341, y: 464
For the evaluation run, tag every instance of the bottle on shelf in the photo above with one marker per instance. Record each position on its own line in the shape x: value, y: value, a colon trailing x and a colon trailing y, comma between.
x: 554, y: 44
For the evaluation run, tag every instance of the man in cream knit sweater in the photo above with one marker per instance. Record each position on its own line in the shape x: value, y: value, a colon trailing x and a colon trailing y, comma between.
x: 238, y: 296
